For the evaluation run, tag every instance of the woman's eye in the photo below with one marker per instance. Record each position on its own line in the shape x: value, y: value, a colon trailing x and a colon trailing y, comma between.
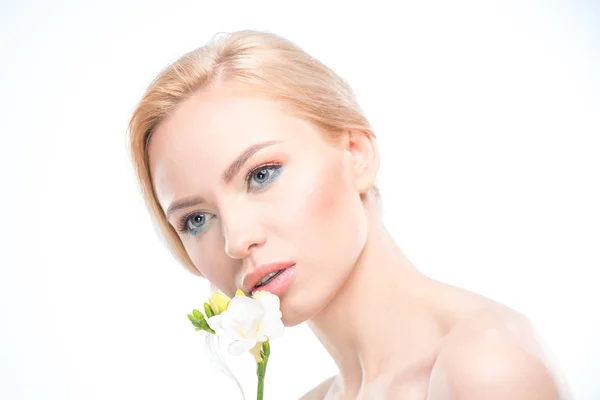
x: 263, y: 176
x: 195, y: 223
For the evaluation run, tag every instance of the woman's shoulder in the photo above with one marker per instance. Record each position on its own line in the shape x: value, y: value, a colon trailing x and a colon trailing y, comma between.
x: 320, y: 391
x: 498, y: 351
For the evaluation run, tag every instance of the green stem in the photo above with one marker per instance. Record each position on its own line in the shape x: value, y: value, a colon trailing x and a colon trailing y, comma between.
x: 261, y: 369
x: 261, y: 381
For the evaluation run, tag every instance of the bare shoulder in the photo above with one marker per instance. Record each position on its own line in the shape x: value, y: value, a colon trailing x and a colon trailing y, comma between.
x: 319, y: 392
x: 497, y: 354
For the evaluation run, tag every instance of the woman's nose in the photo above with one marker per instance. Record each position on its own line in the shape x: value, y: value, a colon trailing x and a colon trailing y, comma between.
x: 242, y: 233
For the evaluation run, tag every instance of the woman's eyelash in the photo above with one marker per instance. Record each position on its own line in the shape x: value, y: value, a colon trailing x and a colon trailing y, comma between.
x: 272, y: 172
x: 274, y: 168
x: 182, y: 224
x: 258, y: 168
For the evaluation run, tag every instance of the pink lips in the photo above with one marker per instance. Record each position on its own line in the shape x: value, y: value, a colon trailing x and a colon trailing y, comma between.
x: 277, y: 286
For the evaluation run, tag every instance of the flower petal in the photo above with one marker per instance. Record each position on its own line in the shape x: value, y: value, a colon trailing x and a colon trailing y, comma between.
x: 243, y: 316
x: 270, y: 329
x: 267, y: 299
x: 239, y: 347
x: 215, y: 323
x: 255, y: 351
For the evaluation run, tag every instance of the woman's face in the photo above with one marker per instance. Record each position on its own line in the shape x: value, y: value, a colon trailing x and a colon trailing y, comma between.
x: 246, y: 185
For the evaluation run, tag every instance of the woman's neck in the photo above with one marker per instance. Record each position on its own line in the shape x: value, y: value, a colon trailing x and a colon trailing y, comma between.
x: 381, y: 320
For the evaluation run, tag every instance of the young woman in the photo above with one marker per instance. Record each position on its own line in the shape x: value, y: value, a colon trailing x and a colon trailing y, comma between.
x: 258, y: 166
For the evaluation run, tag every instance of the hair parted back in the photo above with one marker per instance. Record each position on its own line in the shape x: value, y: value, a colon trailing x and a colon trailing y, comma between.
x: 262, y: 63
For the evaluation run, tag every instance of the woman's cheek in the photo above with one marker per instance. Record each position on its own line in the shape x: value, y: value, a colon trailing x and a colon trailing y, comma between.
x: 208, y: 255
x: 324, y: 192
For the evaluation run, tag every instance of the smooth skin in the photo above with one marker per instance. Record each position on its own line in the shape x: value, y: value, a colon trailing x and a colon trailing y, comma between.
x: 245, y: 182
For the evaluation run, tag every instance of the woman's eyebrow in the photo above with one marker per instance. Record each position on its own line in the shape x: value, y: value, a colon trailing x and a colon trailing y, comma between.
x: 239, y: 162
x: 228, y: 175
x: 184, y: 203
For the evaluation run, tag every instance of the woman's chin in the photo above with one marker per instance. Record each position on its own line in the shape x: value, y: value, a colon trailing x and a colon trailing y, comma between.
x: 290, y: 324
x: 292, y: 318
x: 295, y: 313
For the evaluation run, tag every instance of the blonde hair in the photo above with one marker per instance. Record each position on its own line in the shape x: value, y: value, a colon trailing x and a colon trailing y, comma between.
x: 265, y: 64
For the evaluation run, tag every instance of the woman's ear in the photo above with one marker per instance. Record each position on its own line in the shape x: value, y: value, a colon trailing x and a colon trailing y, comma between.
x: 364, y: 157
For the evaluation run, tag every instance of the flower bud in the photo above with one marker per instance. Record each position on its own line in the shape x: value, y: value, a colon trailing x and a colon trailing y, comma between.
x: 218, y: 302
x: 198, y: 315
x: 266, y: 349
x: 208, y: 310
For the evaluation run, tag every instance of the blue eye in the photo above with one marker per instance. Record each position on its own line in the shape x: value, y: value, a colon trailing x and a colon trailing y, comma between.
x: 194, y: 223
x: 263, y: 176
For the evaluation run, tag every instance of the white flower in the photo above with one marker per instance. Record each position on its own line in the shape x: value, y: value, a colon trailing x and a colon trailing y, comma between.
x: 248, y: 321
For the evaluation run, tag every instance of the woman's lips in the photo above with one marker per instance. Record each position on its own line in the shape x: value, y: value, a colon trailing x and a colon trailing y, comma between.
x: 258, y: 273
x: 279, y: 284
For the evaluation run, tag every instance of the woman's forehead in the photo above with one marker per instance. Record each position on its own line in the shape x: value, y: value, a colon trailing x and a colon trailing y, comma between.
x: 222, y: 122
x: 209, y: 130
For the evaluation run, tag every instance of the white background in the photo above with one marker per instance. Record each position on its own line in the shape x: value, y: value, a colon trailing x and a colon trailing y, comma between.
x: 487, y: 116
